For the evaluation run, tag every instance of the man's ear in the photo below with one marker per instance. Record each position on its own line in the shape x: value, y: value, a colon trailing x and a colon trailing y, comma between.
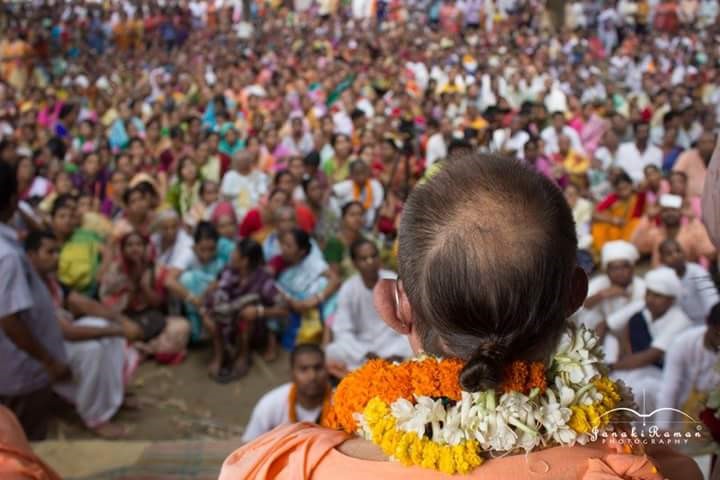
x: 578, y: 290
x: 386, y: 297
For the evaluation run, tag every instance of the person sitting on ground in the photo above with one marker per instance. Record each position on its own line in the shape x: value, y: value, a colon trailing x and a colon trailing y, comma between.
x: 699, y: 293
x: 689, y: 373
x: 136, y: 286
x: 94, y: 342
x: 201, y: 273
x: 359, y: 334
x: 463, y: 293
x: 611, y: 291
x: 616, y: 217
x: 306, y: 281
x: 32, y: 354
x: 648, y: 334
x: 362, y: 189
x: 689, y: 233
x: 305, y: 399
x: 337, y: 247
x: 240, y: 309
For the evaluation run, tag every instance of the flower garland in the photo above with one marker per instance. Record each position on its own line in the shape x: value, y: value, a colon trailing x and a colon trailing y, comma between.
x: 417, y: 413
x: 292, y: 405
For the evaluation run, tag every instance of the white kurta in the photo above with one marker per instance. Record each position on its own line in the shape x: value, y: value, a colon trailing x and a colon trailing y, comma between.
x: 592, y: 317
x: 688, y: 366
x: 699, y: 293
x: 359, y: 330
x: 272, y: 410
x: 97, y: 389
x: 646, y: 381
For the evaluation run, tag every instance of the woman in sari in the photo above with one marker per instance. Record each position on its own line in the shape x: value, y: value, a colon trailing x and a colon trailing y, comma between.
x: 337, y: 247
x: 258, y: 223
x: 185, y: 192
x: 617, y: 216
x: 202, y: 272
x: 305, y: 279
x: 239, y: 310
x: 134, y: 285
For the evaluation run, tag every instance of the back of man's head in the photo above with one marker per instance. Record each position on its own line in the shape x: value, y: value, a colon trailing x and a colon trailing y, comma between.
x: 487, y: 259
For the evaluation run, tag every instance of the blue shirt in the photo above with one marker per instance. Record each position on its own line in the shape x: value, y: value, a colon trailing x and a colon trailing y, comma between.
x: 24, y: 293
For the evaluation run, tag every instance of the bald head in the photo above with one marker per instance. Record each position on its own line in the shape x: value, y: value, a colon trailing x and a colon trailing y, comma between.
x: 487, y: 258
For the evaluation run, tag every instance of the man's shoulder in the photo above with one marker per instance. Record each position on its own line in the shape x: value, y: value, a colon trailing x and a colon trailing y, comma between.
x: 275, y: 396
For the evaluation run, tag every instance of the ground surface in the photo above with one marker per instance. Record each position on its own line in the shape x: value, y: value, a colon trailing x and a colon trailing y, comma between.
x: 182, y: 403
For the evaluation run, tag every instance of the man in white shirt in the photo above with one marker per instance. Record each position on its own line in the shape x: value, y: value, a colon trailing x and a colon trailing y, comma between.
x: 360, y: 188
x: 648, y: 334
x: 699, y: 294
x: 551, y: 134
x: 612, y: 291
x: 634, y: 156
x: 301, y: 400
x: 300, y: 142
x: 243, y: 186
x: 436, y: 148
x: 689, y: 372
x: 358, y: 331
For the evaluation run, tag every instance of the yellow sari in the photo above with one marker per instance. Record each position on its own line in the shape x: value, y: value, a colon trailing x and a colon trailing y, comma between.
x: 630, y: 210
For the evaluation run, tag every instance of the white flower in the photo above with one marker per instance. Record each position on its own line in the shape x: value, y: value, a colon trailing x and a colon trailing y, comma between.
x: 364, y: 430
x: 565, y: 393
x: 553, y: 416
x: 452, y: 432
x: 578, y: 356
x: 409, y: 418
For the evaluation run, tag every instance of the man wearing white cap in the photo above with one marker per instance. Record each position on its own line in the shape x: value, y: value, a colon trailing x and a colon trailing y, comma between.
x: 648, y: 334
x: 612, y: 291
x: 699, y: 291
x: 690, y: 233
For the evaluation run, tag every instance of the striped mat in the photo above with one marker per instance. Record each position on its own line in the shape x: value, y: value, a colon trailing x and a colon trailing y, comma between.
x: 192, y: 460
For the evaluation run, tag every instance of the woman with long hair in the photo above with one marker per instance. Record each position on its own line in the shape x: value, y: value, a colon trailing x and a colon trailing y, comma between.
x: 134, y: 285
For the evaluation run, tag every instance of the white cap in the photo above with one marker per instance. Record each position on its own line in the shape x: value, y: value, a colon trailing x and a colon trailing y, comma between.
x: 664, y: 281
x: 671, y: 201
x: 619, y: 250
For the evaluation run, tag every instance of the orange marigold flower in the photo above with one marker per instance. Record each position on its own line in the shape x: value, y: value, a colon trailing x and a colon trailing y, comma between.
x: 449, y: 374
x: 516, y: 377
x: 537, y: 379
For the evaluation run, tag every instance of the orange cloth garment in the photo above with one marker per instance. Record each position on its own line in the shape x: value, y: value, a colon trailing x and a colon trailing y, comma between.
x: 305, y: 451
x: 17, y: 461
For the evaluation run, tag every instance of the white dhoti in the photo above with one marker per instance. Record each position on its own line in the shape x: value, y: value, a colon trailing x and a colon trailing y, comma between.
x: 97, y: 388
x: 645, y: 383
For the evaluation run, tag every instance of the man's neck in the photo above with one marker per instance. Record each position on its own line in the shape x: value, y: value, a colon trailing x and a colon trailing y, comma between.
x: 308, y: 402
x: 371, y: 280
x: 642, y: 146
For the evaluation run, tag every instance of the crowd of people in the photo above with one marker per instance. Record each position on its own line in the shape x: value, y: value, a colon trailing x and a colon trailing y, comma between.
x: 234, y: 173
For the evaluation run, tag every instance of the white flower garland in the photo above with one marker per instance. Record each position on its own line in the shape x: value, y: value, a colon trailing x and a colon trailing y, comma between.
x: 516, y: 421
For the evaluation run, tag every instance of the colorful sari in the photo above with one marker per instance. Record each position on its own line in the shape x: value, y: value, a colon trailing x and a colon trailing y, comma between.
x: 630, y: 210
x: 303, y: 281
x: 196, y: 280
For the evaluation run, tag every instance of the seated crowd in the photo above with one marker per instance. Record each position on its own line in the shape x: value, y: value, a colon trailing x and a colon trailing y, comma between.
x: 252, y: 203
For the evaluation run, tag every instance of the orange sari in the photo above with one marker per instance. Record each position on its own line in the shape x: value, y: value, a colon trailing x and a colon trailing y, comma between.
x: 630, y: 210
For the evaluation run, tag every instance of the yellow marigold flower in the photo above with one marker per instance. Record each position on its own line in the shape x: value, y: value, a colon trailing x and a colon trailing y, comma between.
x: 578, y: 420
x: 431, y: 455
x: 402, y: 449
x: 375, y: 410
x: 447, y: 460
x: 416, y: 449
